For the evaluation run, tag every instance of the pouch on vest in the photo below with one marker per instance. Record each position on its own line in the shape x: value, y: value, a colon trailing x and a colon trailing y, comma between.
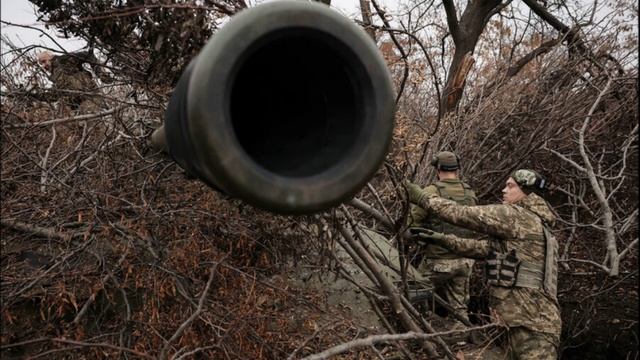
x: 502, y: 269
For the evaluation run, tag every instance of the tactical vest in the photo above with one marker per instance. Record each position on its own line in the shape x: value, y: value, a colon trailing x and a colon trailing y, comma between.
x: 462, y: 194
x: 506, y: 270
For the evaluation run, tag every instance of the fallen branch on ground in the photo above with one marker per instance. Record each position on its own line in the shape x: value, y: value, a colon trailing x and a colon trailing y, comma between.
x: 374, y: 339
x: 68, y: 119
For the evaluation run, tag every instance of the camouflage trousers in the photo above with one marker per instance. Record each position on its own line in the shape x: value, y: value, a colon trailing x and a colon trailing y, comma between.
x: 450, y: 279
x: 525, y: 344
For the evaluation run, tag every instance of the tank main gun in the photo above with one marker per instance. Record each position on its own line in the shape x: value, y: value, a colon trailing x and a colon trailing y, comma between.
x: 288, y: 107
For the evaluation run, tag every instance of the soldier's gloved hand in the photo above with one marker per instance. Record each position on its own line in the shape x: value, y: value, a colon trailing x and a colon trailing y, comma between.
x: 425, y: 235
x: 416, y: 195
x: 431, y: 235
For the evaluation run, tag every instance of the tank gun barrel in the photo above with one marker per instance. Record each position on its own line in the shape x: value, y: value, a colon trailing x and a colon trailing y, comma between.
x: 289, y: 107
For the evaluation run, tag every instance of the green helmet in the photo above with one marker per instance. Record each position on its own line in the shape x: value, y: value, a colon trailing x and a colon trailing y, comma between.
x: 529, y: 181
x: 446, y: 160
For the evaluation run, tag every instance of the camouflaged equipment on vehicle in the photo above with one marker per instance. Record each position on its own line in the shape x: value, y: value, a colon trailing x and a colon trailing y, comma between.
x: 446, y: 160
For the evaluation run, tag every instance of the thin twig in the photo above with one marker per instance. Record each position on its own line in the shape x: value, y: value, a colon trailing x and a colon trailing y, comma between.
x: 403, y: 54
x: 189, y: 321
x: 43, y: 177
x: 306, y: 341
x: 92, y: 298
x: 91, y: 157
x: 14, y: 295
x: 600, y: 266
x: 195, y: 351
x: 105, y: 345
x: 379, y: 200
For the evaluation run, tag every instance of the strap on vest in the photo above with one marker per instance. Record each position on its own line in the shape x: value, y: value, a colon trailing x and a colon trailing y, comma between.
x: 551, y: 263
x: 549, y: 278
x: 530, y: 275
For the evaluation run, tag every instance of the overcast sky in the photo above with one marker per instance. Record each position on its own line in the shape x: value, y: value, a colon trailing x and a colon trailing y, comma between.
x: 22, y: 12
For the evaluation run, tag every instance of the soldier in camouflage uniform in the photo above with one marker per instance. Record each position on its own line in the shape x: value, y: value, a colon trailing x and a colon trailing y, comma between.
x: 521, y: 258
x: 448, y: 272
x: 69, y: 77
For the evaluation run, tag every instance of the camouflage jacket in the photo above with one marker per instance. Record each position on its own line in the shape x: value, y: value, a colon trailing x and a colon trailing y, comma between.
x: 67, y: 72
x: 423, y: 218
x: 510, y: 226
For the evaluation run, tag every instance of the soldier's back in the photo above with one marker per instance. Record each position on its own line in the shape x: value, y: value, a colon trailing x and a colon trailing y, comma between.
x: 75, y: 84
x: 455, y: 190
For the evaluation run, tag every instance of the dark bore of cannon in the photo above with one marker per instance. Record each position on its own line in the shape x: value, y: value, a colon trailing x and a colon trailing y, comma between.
x: 288, y: 107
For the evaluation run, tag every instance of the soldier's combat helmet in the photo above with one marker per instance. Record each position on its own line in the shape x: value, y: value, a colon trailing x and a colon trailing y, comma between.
x: 446, y: 160
x: 530, y: 181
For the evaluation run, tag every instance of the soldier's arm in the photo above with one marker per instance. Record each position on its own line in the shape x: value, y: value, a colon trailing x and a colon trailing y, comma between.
x: 418, y: 215
x: 466, y: 247
x: 495, y: 220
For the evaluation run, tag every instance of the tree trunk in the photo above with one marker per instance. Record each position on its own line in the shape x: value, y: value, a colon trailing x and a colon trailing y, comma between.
x: 465, y: 33
x: 365, y: 10
x: 458, y: 71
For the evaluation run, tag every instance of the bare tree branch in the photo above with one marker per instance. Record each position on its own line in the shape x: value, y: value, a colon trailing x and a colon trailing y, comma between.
x: 403, y: 54
x: 195, y: 315
x: 362, y: 206
x: 68, y: 119
x: 375, y: 339
x: 628, y: 249
x: 48, y: 233
x: 610, y: 236
x: 387, y: 287
x: 43, y: 177
x: 545, y: 47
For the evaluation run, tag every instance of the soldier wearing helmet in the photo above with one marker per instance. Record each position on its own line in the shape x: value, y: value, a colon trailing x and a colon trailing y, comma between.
x: 521, y: 258
x: 448, y: 272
